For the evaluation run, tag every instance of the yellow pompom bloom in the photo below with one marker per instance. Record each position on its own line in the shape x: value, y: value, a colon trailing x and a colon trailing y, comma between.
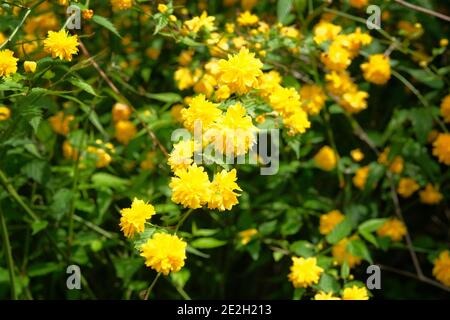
x: 358, y: 3
x: 360, y: 178
x: 233, y: 133
x: 285, y: 100
x: 338, y: 83
x: 325, y: 296
x: 337, y: 57
x: 297, y: 122
x: 326, y: 158
x: 125, y: 131
x: 164, y: 253
x: 184, y: 78
x: 397, y: 165
x: 392, y: 228
x: 181, y: 155
x: 355, y: 293
x: 377, y: 70
x: 441, y: 269
x: 191, y: 187
x: 60, y: 122
x: 162, y: 8
x: 268, y: 82
x: 246, y: 235
x: 118, y: 5
x: 120, y: 112
x: 430, y: 195
x: 247, y: 19
x: 354, y: 101
x: 204, y: 21
x: 304, y: 272
x: 241, y: 71
x: 407, y: 186
x: 133, y: 219
x: 30, y: 66
x: 103, y: 157
x: 8, y: 63
x: 325, y: 30
x: 248, y: 4
x: 5, y: 113
x: 313, y: 98
x: 330, y: 220
x: 61, y: 45
x: 445, y: 108
x: 223, y: 93
x: 200, y: 111
x: 223, y: 196
x: 341, y: 254
x: 357, y: 155
x: 68, y: 151
x: 441, y: 148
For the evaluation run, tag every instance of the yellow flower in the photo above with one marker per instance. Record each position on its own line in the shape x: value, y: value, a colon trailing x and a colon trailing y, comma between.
x: 125, y: 131
x: 355, y: 293
x: 162, y: 8
x: 68, y: 151
x: 120, y: 112
x: 121, y: 4
x: 290, y: 32
x: 358, y: 3
x: 445, y: 108
x: 200, y: 111
x: 326, y: 158
x: 197, y: 23
x: 223, y: 93
x: 191, y: 187
x: 441, y: 269
x: 377, y: 70
x: 360, y: 178
x: 233, y: 133
x: 247, y: 19
x: 8, y: 64
x: 5, y: 113
x: 392, y: 228
x: 297, y: 122
x: 241, y: 71
x: 325, y: 296
x: 149, y: 162
x: 285, y: 100
x: 61, y: 45
x: 184, y: 78
x: 164, y: 253
x: 248, y: 4
x: 103, y: 157
x: 223, y: 196
x: 357, y: 155
x: 175, y: 112
x: 133, y: 219
x: 407, y: 187
x: 397, y: 165
x: 337, y: 57
x: 181, y: 155
x: 185, y: 57
x: 441, y: 148
x: 341, y: 254
x: 304, y: 272
x: 30, y: 66
x: 443, y: 42
x: 354, y: 101
x: 268, y: 82
x: 430, y: 195
x: 330, y: 220
x: 246, y: 235
x: 338, y: 83
x: 60, y: 122
x: 313, y: 98
x: 325, y: 30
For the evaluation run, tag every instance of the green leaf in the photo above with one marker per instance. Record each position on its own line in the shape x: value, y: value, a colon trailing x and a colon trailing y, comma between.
x: 143, y: 237
x: 106, y: 180
x: 44, y: 268
x: 38, y: 170
x: 302, y: 248
x: 339, y: 232
x: 180, y: 278
x: 38, y: 225
x: 106, y: 24
x: 426, y: 77
x: 207, y: 243
x: 298, y: 293
x: 345, y: 270
x: 422, y: 121
x: 328, y: 283
x: 168, y: 97
x: 283, y: 8
x: 358, y: 248
x: 83, y: 85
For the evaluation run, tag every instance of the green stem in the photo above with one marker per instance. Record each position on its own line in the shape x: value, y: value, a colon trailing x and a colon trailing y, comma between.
x: 9, y: 257
x: 183, y: 218
x: 149, y: 290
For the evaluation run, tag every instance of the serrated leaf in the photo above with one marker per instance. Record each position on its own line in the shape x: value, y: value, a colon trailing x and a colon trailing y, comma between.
x: 339, y: 232
x: 302, y: 248
x: 80, y: 83
x: 358, y: 248
x: 106, y: 24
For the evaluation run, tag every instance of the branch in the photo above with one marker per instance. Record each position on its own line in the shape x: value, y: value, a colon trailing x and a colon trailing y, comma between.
x: 424, y: 10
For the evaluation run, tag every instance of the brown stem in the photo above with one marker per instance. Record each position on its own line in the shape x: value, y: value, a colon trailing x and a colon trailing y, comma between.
x: 424, y: 10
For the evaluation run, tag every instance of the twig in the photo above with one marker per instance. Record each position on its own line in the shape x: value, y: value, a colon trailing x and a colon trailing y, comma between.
x: 8, y: 254
x: 117, y: 92
x: 149, y: 290
x: 424, y: 10
x: 414, y: 276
